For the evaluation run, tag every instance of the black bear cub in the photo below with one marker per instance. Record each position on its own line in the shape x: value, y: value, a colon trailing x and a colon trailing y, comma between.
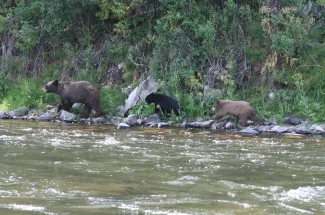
x: 166, y: 103
x: 76, y: 92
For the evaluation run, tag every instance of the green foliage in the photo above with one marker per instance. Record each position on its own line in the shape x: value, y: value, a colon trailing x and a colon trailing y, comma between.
x: 26, y: 92
x: 111, y: 98
x: 197, y: 105
x: 143, y: 109
x: 175, y: 42
x: 282, y: 44
x: 303, y: 104
x: 184, y: 38
x: 116, y: 50
x: 28, y: 37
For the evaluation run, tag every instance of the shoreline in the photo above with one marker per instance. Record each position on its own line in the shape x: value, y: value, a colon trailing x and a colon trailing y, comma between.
x: 303, y: 129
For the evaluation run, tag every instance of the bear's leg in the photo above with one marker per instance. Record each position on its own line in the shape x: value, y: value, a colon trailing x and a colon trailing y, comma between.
x: 243, y: 119
x: 86, y: 112
x: 60, y: 107
x: 65, y: 105
x: 218, y: 116
x: 177, y: 112
x: 96, y: 106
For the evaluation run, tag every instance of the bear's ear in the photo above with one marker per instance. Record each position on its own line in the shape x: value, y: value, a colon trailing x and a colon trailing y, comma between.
x: 56, y: 82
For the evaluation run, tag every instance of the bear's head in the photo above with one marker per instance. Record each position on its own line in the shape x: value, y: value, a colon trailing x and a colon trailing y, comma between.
x: 150, y: 98
x: 51, y: 87
x: 217, y: 106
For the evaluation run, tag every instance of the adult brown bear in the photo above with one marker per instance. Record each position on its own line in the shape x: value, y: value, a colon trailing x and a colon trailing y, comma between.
x: 241, y: 110
x: 76, y: 92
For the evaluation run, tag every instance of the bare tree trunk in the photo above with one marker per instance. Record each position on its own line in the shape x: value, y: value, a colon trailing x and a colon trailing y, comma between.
x: 7, y: 46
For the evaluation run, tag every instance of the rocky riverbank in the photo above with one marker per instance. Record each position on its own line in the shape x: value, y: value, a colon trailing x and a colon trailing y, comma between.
x: 293, y: 125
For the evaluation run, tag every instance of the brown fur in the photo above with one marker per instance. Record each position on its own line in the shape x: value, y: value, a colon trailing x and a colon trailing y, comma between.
x: 241, y: 110
x: 75, y: 92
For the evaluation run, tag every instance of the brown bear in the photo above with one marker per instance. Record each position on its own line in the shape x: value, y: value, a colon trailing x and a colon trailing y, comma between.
x: 241, y: 110
x: 76, y: 92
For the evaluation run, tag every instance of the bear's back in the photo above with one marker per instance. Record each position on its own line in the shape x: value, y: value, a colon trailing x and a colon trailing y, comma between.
x: 235, y: 106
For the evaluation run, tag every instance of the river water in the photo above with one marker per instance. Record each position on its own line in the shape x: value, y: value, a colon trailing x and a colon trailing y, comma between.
x: 54, y: 168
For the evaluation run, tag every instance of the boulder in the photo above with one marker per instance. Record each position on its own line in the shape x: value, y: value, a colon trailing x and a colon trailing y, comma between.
x: 122, y: 126
x: 46, y: 117
x: 263, y: 128
x: 270, y: 121
x: 67, y: 117
x: 218, y: 125
x: 204, y: 124
x: 140, y: 122
x: 229, y: 125
x: 138, y: 95
x: 21, y: 111
x: 317, y: 129
x: 4, y: 115
x: 76, y: 106
x: 248, y: 131
x: 131, y: 120
x: 279, y: 129
x: 163, y: 124
x: 153, y: 119
x: 98, y: 120
x: 303, y: 129
x: 292, y: 120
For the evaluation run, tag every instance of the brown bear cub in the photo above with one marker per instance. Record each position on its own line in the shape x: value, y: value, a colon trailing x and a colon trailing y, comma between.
x: 76, y: 92
x: 241, y: 110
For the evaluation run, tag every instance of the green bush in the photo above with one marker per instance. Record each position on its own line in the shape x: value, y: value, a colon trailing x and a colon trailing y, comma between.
x: 26, y: 92
x: 111, y: 98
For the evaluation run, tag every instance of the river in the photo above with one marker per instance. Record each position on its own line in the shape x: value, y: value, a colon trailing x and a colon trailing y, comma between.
x: 55, y: 168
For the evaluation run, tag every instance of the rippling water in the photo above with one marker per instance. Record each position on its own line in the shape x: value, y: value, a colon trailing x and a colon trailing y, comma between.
x: 53, y: 168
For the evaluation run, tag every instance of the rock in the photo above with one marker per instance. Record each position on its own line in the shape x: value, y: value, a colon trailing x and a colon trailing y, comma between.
x: 86, y: 121
x: 218, y: 125
x: 303, y: 129
x: 140, y: 122
x: 280, y: 129
x: 249, y: 131
x: 270, y: 121
x: 263, y: 128
x: 30, y: 117
x: 4, y: 115
x: 123, y: 126
x: 153, y: 119
x: 292, y: 120
x: 229, y: 125
x: 152, y: 125
x: 98, y: 120
x: 317, y: 129
x: 163, y: 124
x: 250, y: 122
x: 76, y: 106
x: 131, y: 120
x: 46, y: 117
x: 145, y: 88
x: 21, y: 111
x: 108, y: 117
x: 67, y: 117
x: 204, y: 124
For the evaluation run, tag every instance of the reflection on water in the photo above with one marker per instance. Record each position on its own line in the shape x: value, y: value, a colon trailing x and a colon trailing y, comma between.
x: 53, y: 168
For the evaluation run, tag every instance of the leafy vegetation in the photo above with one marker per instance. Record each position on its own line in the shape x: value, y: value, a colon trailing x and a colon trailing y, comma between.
x: 247, y: 50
